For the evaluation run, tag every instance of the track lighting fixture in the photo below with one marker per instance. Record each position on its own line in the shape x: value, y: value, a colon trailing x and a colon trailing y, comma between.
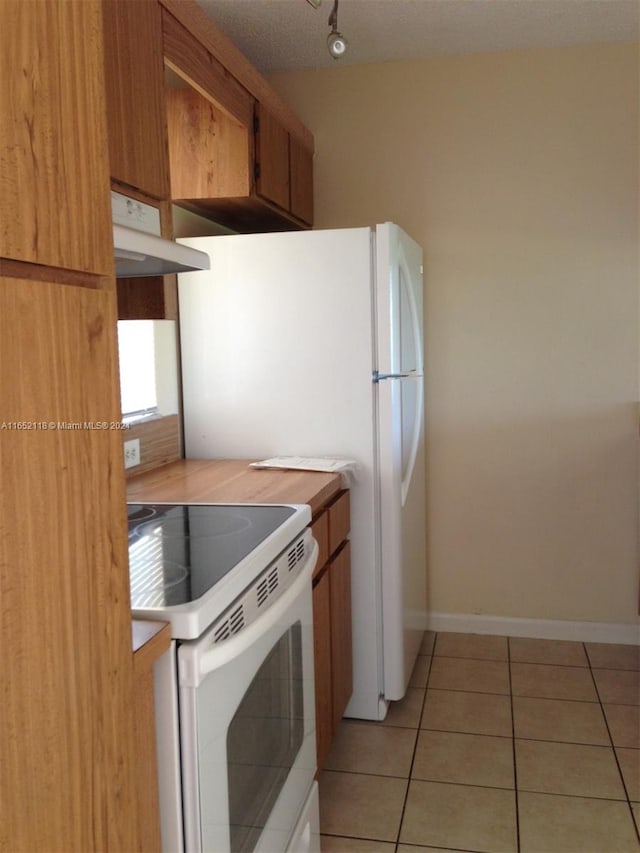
x: 336, y: 42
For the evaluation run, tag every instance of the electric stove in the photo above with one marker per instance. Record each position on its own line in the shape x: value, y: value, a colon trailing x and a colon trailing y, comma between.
x: 189, y: 562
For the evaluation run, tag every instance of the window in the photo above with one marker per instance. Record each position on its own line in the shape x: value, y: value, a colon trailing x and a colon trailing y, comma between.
x: 136, y: 349
x: 147, y: 351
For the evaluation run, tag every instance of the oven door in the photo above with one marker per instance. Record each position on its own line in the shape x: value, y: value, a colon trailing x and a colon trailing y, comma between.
x: 247, y: 727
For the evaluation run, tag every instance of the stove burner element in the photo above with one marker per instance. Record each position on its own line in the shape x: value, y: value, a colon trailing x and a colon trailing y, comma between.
x: 224, y: 523
x: 173, y: 574
x: 136, y: 514
x: 162, y: 587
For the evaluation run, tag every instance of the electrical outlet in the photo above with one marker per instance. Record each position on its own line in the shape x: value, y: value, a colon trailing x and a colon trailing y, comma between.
x: 132, y: 453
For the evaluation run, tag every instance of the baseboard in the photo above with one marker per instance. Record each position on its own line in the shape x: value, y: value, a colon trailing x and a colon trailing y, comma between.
x: 543, y: 629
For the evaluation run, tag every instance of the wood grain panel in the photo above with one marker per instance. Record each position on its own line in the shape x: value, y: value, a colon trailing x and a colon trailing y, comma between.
x: 159, y: 443
x: 191, y: 60
x: 339, y: 520
x: 320, y: 532
x: 147, y: 764
x: 54, y: 204
x: 341, y: 642
x: 209, y: 151
x: 231, y: 480
x: 146, y: 756
x: 66, y: 739
x: 245, y: 215
x: 134, y: 71
x: 272, y: 158
x: 322, y: 666
x: 301, y: 176
x: 153, y: 298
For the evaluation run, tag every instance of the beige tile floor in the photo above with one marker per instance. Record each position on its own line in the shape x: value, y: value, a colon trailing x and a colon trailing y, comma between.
x: 501, y: 744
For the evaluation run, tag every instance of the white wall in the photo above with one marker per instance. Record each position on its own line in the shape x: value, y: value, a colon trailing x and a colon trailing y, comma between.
x: 518, y: 172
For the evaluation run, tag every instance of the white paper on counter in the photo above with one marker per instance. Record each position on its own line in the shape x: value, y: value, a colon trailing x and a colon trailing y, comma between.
x: 346, y: 467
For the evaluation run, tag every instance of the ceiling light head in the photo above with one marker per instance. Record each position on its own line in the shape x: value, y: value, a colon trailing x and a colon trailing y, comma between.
x: 336, y: 42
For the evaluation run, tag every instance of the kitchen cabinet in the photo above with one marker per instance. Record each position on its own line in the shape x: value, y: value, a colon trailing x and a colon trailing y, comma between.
x: 239, y: 176
x: 322, y: 666
x: 136, y: 114
x: 301, y: 180
x: 235, y: 155
x: 150, y: 641
x: 137, y: 136
x: 54, y: 205
x: 341, y: 661
x: 271, y: 158
x: 209, y: 152
x: 332, y: 620
x: 67, y: 741
x: 283, y: 167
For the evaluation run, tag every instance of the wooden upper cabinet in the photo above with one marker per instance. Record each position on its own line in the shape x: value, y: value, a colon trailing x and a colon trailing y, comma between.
x: 301, y: 178
x: 283, y: 167
x: 209, y: 149
x: 271, y: 158
x: 236, y: 154
x: 242, y: 175
x: 54, y: 203
x: 195, y: 66
x: 136, y: 112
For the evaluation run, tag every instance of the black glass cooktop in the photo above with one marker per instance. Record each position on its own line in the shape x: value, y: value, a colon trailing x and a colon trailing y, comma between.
x: 177, y: 552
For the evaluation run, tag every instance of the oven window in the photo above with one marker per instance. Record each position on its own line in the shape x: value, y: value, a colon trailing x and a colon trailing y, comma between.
x: 264, y: 738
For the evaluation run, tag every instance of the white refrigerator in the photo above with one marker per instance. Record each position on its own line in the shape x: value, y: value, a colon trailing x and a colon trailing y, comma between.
x: 311, y: 344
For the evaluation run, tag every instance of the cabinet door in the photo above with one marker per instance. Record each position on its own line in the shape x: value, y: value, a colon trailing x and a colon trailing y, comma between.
x: 209, y: 150
x: 272, y: 158
x: 322, y: 665
x: 301, y: 177
x: 341, y: 649
x: 67, y: 775
x: 137, y: 122
x: 54, y: 204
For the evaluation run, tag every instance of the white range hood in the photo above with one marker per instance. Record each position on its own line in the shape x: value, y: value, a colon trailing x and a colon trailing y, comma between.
x: 138, y: 247
x: 140, y: 254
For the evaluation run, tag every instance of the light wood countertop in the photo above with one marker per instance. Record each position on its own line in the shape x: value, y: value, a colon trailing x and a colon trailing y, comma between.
x: 149, y: 640
x: 231, y: 481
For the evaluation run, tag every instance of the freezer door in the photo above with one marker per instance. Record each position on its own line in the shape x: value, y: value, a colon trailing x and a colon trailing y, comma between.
x: 401, y: 453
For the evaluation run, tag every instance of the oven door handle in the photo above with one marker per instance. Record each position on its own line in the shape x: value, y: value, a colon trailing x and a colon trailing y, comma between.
x: 203, y: 662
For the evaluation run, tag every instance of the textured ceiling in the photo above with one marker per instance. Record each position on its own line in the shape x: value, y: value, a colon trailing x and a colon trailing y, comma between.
x: 278, y: 35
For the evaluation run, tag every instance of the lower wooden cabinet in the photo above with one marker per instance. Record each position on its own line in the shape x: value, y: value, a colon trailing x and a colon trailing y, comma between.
x: 341, y: 658
x: 322, y: 665
x: 332, y: 621
x: 151, y: 640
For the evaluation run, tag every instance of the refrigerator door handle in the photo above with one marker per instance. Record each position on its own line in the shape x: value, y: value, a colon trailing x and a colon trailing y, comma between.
x: 378, y: 377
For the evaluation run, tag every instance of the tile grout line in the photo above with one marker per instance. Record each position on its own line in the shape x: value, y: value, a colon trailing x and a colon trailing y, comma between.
x: 611, y: 741
x: 513, y: 746
x: 415, y: 745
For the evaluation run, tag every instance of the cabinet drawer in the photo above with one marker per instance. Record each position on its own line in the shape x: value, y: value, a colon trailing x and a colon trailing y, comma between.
x: 320, y: 532
x: 339, y: 520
